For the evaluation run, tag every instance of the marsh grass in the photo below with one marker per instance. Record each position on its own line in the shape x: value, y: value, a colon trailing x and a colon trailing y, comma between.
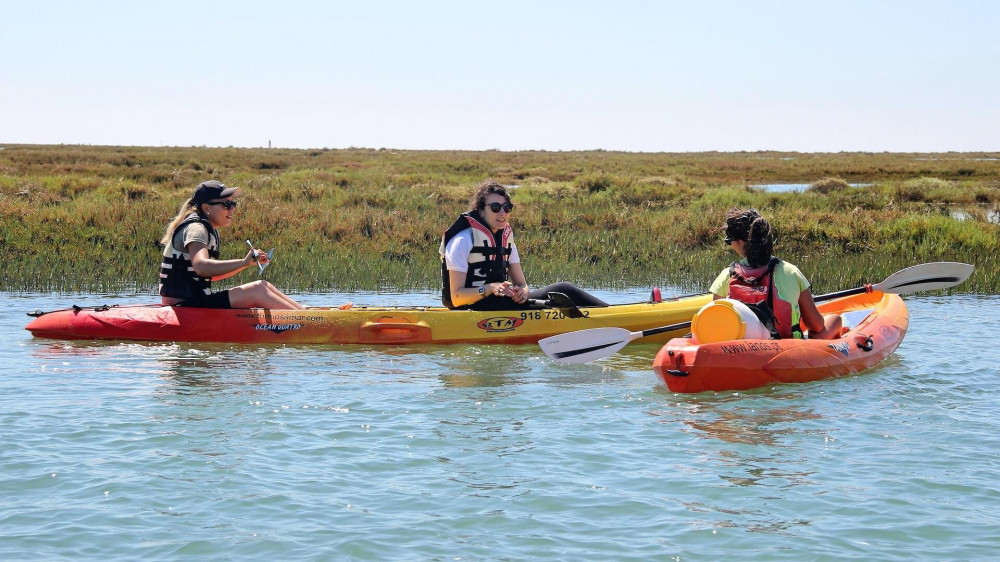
x: 82, y: 218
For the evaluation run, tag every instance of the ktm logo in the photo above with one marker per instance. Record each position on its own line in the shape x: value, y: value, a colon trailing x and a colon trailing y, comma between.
x: 500, y: 324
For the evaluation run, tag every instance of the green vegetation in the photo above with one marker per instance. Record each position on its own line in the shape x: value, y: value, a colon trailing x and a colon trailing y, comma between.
x: 87, y: 218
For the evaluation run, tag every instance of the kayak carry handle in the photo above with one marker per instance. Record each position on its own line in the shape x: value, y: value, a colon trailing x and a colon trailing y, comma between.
x: 394, y: 330
x: 867, y: 344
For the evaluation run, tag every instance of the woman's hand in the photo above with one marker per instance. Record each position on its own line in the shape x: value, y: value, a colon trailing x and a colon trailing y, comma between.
x: 518, y: 293
x: 257, y: 255
x: 504, y: 289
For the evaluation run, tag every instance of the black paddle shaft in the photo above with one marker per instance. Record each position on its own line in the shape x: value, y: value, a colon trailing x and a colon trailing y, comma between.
x: 670, y: 328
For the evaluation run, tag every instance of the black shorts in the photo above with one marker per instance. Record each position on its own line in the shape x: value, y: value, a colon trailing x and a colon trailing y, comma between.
x: 214, y: 300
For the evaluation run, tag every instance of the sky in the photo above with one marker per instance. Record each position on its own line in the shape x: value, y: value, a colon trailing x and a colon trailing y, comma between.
x: 639, y: 76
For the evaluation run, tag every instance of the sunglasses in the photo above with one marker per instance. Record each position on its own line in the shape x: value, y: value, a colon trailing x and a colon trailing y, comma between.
x: 225, y: 204
x: 495, y: 207
x: 727, y: 240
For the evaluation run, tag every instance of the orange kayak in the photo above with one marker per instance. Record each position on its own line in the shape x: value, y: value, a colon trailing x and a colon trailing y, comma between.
x: 881, y: 322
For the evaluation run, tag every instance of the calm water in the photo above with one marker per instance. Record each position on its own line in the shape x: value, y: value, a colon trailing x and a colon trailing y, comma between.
x: 785, y: 187
x: 125, y: 451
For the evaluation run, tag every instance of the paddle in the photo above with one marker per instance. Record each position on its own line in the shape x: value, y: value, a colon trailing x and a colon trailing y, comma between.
x: 261, y: 266
x: 565, y: 304
x: 560, y: 301
x: 584, y: 346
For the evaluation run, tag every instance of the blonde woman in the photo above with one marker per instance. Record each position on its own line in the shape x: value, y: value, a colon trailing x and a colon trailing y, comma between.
x: 191, y: 256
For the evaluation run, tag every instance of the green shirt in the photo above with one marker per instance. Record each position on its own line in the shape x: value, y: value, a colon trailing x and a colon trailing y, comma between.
x: 788, y: 280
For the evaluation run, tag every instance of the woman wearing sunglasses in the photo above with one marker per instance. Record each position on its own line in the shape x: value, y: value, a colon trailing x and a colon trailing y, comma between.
x: 776, y: 289
x: 480, y: 266
x: 191, y: 256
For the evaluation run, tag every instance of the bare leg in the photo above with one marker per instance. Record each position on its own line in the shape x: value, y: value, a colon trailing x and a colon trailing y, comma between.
x: 832, y: 324
x: 261, y: 294
x: 290, y: 302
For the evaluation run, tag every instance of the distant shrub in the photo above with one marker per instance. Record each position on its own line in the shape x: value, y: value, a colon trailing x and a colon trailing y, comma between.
x: 469, y: 166
x: 919, y: 189
x: 594, y: 183
x: 137, y: 191
x: 534, y: 172
x: 658, y: 181
x: 536, y: 180
x: 985, y: 197
x: 928, y: 183
x: 655, y: 193
x: 828, y: 185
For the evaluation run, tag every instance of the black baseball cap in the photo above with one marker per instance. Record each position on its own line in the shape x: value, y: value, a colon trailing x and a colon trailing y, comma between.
x: 213, y: 189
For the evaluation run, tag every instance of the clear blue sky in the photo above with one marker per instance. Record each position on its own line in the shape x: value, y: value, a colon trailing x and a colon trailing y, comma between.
x: 619, y: 75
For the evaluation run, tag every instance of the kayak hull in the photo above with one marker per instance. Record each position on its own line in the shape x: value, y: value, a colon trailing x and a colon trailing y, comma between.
x: 688, y: 367
x: 358, y: 325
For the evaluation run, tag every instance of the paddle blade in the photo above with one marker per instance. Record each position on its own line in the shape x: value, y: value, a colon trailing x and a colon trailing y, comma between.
x: 926, y: 277
x: 565, y: 304
x: 264, y: 266
x: 584, y: 346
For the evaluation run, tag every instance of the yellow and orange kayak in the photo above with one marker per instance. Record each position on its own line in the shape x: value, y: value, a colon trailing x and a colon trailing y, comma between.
x: 686, y: 366
x: 358, y: 325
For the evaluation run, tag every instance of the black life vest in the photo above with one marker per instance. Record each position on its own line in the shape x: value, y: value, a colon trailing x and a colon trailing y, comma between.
x: 178, y: 278
x: 754, y: 287
x: 489, y: 258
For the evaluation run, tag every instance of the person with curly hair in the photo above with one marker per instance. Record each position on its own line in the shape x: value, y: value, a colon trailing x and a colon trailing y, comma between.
x: 776, y: 290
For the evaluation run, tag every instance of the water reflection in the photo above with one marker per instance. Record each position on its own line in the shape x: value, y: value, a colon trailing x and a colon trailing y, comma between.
x: 742, y: 418
x: 747, y: 444
x: 759, y: 520
x: 990, y: 216
x: 789, y: 187
x: 457, y: 366
x: 754, y: 434
x: 473, y: 379
x: 187, y: 368
x: 482, y: 366
x: 200, y: 369
x: 502, y: 365
x: 749, y: 426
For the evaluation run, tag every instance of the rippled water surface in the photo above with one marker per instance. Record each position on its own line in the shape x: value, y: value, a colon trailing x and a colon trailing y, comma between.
x: 123, y: 451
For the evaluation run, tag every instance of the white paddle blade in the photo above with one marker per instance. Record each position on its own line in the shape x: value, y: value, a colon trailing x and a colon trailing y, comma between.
x: 584, y: 346
x: 261, y: 266
x: 926, y: 277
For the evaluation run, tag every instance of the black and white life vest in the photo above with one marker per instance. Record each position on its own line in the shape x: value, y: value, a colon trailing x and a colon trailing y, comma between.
x: 178, y: 278
x: 489, y: 258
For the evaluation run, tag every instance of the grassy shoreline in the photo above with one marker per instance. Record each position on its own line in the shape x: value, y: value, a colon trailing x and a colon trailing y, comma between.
x: 88, y: 218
